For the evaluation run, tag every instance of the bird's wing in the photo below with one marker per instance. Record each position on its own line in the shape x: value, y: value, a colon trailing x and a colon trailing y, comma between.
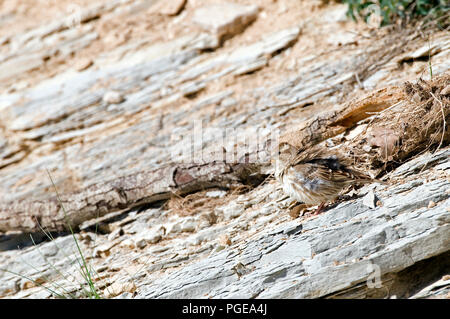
x: 329, y: 168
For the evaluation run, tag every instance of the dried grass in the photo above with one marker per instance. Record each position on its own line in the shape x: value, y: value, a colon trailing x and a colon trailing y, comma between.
x: 416, y: 124
x: 198, y: 202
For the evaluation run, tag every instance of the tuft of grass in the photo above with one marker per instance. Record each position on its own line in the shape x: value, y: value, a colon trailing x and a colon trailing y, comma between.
x: 87, y: 273
x: 83, y: 287
x: 391, y: 11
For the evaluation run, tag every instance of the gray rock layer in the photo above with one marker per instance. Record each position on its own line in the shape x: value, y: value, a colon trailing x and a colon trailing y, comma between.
x: 160, y: 214
x: 347, y: 246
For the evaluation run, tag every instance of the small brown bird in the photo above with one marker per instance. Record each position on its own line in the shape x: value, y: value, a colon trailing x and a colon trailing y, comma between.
x: 314, y: 179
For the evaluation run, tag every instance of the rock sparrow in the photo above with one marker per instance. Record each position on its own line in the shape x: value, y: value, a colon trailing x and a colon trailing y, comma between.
x: 314, y: 179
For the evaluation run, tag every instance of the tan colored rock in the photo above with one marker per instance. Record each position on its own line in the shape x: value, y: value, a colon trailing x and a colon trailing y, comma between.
x: 170, y: 8
x: 370, y: 200
x: 103, y: 250
x: 113, y: 97
x: 128, y: 243
x: 141, y: 243
x: 83, y: 64
x: 152, y: 236
x: 115, y: 234
x: 224, y: 240
x: 118, y: 288
x: 225, y: 19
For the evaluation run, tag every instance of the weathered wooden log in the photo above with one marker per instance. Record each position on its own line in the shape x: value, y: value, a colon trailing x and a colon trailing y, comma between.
x: 141, y: 188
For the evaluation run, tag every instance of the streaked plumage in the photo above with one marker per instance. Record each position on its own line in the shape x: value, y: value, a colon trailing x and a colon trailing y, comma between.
x: 312, y: 178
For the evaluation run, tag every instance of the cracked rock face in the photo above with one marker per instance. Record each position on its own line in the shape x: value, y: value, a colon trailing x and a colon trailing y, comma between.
x: 156, y: 124
x: 348, y: 246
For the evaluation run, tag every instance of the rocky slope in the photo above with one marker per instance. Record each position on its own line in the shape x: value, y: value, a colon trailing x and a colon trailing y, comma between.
x: 109, y: 93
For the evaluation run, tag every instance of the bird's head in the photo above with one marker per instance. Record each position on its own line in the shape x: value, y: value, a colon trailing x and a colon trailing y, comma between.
x: 282, y: 155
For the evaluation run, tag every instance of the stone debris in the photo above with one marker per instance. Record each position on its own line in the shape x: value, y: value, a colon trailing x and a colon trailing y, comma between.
x: 225, y: 19
x: 151, y: 236
x: 119, y: 288
x: 172, y: 8
x: 113, y: 97
x: 93, y: 105
x: 216, y: 194
x: 224, y: 240
x: 83, y: 64
x: 252, y: 67
x: 115, y: 234
x: 431, y: 204
x: 128, y: 243
x: 370, y: 200
x: 103, y: 250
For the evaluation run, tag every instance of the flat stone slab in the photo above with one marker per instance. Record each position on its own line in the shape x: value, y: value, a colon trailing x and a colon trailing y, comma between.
x: 225, y: 19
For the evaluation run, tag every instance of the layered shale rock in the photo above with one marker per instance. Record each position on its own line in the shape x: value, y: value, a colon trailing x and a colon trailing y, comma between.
x: 156, y: 125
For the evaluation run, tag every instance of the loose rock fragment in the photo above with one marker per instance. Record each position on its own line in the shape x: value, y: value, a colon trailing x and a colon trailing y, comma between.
x: 125, y: 295
x: 224, y: 240
x: 152, y: 236
x: 240, y: 270
x: 172, y: 7
x: 233, y: 210
x: 370, y: 200
x: 115, y: 234
x: 216, y: 194
x: 118, y: 288
x: 251, y: 67
x: 103, y: 250
x: 141, y: 243
x: 129, y: 243
x: 192, y: 88
x: 113, y: 97
x: 83, y: 64
x: 225, y: 19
